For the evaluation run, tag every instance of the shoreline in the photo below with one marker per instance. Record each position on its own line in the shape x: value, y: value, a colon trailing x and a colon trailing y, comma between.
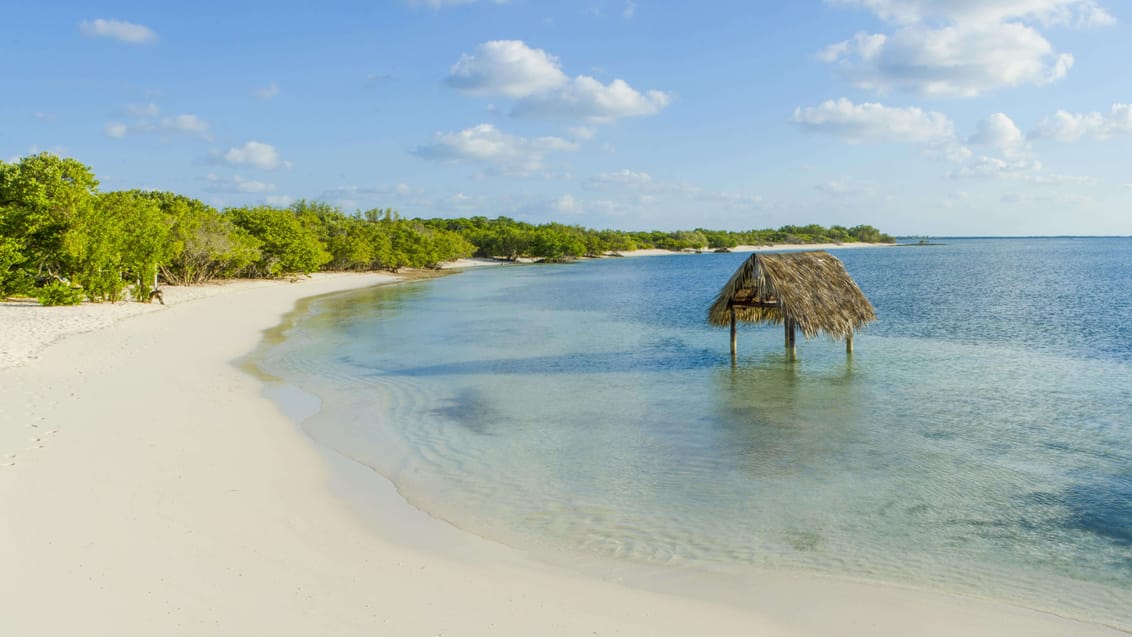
x: 160, y: 489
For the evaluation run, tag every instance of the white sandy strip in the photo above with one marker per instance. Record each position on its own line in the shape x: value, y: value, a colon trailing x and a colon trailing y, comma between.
x: 156, y: 491
x: 782, y: 247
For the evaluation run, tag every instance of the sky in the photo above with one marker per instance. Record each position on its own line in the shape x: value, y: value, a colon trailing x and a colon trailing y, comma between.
x: 920, y: 117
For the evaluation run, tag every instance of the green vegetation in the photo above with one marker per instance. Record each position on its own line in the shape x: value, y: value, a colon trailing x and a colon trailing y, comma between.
x: 61, y: 239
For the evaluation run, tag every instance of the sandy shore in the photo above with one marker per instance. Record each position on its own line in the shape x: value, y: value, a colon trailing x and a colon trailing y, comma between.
x: 784, y: 247
x: 148, y: 487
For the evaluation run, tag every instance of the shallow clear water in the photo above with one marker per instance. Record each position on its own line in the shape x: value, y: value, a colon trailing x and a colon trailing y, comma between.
x: 978, y: 441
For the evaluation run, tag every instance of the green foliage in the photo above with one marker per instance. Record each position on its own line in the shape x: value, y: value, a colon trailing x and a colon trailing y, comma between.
x: 55, y: 225
x: 202, y: 244
x: 288, y: 245
x: 13, y: 279
x: 41, y: 196
x: 59, y: 293
x: 869, y: 234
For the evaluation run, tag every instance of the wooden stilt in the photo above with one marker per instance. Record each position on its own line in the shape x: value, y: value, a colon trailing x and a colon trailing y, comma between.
x: 849, y: 344
x: 733, y: 338
x: 791, y: 349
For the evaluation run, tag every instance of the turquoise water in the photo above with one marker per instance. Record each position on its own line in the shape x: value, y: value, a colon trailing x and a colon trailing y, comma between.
x: 979, y: 440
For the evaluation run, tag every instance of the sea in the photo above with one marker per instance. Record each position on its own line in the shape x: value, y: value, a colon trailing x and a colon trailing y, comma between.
x: 978, y: 441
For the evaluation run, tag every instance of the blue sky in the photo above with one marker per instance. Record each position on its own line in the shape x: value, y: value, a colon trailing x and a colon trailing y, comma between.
x: 945, y: 117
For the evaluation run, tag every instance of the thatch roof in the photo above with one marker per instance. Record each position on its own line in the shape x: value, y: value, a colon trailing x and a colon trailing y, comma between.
x: 812, y: 288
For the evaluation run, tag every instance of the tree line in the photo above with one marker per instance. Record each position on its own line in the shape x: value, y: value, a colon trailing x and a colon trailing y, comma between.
x: 63, y: 240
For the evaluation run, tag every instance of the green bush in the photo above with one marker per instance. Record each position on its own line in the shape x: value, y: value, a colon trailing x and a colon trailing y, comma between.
x: 59, y: 293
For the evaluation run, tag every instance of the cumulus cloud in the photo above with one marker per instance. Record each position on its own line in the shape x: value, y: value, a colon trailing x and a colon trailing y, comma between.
x: 498, y: 151
x: 953, y: 61
x: 587, y: 98
x: 1000, y: 132
x: 117, y: 30
x: 506, y: 67
x: 256, y: 154
x: 873, y: 122
x: 1070, y: 127
x: 1046, y: 12
x: 535, y: 79
x: 143, y: 122
x: 960, y: 48
x: 235, y: 184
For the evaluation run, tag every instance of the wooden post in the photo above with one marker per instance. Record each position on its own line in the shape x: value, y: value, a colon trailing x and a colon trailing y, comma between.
x: 849, y: 344
x: 733, y: 348
x: 791, y: 349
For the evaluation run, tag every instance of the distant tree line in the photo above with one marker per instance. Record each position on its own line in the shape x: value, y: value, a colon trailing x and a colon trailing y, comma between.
x: 62, y: 240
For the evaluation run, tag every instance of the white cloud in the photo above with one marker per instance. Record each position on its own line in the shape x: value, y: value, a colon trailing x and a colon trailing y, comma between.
x: 1046, y: 12
x: 115, y: 129
x: 1027, y: 170
x: 493, y: 148
x: 237, y: 184
x: 935, y: 134
x: 621, y: 178
x: 256, y: 154
x: 566, y: 204
x: 506, y: 67
x: 630, y: 9
x: 267, y: 92
x: 873, y: 122
x: 960, y: 48
x: 186, y: 123
x: 589, y: 99
x: 953, y: 61
x: 142, y: 115
x: 994, y: 167
x: 1070, y: 127
x: 117, y: 30
x: 999, y: 131
x: 536, y: 80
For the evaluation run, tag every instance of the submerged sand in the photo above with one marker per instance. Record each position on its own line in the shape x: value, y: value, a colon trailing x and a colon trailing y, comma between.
x: 148, y: 486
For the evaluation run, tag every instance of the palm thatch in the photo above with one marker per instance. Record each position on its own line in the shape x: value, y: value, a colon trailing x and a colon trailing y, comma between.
x: 811, y: 288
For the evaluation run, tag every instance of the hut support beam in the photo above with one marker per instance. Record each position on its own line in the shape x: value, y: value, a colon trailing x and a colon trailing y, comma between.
x: 791, y: 349
x: 733, y: 338
x: 849, y: 344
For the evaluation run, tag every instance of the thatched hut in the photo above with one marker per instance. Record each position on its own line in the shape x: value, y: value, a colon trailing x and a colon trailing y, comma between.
x: 810, y: 291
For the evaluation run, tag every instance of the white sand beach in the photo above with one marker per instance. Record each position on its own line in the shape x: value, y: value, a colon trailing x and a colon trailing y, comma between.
x: 782, y: 247
x: 148, y: 487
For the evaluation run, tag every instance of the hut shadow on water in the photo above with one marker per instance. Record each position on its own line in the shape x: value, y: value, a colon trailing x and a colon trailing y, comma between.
x: 778, y: 418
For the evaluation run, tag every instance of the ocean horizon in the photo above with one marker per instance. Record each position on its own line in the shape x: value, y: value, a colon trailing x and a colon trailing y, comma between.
x: 978, y: 441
